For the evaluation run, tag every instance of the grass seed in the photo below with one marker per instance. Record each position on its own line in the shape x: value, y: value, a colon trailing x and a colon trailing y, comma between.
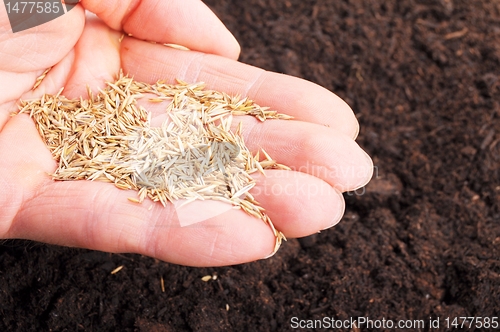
x: 193, y: 155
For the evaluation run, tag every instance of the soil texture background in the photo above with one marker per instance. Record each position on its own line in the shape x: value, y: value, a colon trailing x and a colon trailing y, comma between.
x: 421, y: 240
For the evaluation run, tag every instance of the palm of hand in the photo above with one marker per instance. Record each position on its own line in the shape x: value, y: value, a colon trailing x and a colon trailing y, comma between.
x: 319, y: 144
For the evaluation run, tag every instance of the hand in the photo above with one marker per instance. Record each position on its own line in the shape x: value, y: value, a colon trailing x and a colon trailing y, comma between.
x: 85, y: 50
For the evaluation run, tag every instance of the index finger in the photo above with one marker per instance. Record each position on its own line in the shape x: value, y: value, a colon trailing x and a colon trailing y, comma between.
x: 304, y: 100
x: 189, y: 23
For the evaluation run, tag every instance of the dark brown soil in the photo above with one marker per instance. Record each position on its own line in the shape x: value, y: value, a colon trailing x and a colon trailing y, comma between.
x: 421, y: 240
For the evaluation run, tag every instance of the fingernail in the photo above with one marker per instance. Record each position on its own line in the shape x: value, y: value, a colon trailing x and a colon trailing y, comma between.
x: 356, y: 132
x: 340, y: 211
x: 369, y: 172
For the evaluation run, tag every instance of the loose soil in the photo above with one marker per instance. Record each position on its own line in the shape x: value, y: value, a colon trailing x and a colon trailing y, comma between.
x: 421, y: 240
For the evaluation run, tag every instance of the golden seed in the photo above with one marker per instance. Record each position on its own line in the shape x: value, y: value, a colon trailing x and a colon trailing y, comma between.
x: 178, y: 47
x: 40, y: 78
x: 118, y: 269
x: 194, y: 155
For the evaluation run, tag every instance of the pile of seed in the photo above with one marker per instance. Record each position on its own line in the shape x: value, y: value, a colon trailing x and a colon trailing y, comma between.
x: 193, y: 155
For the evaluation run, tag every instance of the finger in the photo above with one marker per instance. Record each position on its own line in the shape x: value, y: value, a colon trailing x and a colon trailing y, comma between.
x: 310, y: 148
x: 189, y: 23
x: 304, y: 100
x: 298, y: 204
x: 98, y: 216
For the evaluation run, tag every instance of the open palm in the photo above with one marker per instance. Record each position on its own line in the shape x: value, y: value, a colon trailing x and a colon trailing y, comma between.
x: 86, y: 50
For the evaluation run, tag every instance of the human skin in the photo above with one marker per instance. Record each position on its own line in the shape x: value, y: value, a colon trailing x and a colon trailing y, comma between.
x: 319, y: 144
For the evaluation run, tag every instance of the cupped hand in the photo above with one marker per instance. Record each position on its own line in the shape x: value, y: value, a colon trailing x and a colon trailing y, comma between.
x: 85, y: 49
